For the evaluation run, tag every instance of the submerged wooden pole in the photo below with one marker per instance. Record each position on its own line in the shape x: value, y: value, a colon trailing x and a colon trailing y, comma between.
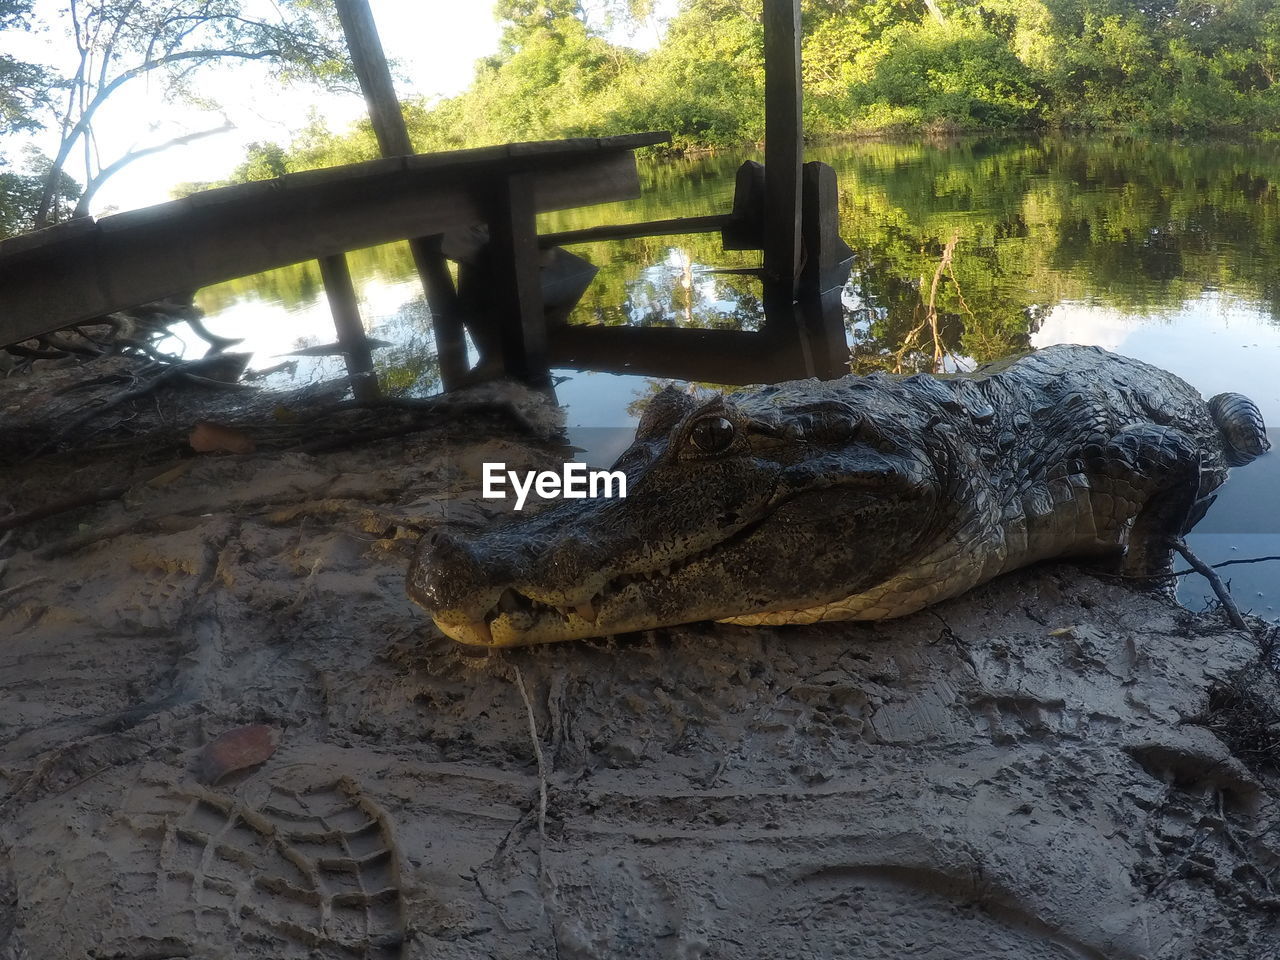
x: 346, y: 321
x: 783, y: 148
x: 393, y: 141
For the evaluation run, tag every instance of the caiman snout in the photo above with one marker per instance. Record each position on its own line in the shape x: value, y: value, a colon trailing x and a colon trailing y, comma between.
x: 468, y: 586
x: 446, y: 574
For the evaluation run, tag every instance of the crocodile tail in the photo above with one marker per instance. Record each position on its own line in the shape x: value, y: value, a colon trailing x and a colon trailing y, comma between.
x: 1243, y: 432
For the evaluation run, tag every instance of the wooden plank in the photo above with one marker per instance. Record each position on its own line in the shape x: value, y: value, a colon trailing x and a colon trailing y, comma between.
x: 135, y: 258
x: 11, y: 247
x: 717, y: 356
x: 555, y: 148
x: 522, y: 332
x: 784, y: 142
x: 745, y: 230
x: 622, y: 231
x: 575, y: 181
x: 372, y: 175
x: 538, y: 153
x: 344, y: 305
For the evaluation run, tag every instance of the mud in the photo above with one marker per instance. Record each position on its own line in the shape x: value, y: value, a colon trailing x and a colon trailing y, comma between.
x: 1027, y: 771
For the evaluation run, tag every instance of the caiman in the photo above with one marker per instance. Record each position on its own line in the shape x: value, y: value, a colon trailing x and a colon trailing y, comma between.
x: 863, y: 498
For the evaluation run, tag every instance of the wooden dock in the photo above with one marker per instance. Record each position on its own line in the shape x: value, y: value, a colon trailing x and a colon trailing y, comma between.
x: 477, y: 208
x: 85, y: 268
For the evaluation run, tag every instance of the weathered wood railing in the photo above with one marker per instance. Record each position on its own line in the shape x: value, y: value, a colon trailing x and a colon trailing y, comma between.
x: 86, y: 268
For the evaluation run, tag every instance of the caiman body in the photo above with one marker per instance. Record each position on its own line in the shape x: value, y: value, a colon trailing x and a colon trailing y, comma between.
x: 863, y: 498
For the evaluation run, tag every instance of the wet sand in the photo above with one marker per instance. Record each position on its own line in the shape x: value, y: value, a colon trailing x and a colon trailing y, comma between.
x: 1032, y: 770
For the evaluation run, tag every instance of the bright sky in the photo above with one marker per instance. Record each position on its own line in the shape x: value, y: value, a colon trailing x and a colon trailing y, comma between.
x: 434, y: 42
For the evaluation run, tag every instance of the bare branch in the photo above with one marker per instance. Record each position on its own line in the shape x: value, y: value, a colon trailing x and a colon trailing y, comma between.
x: 1215, y: 581
x: 82, y: 207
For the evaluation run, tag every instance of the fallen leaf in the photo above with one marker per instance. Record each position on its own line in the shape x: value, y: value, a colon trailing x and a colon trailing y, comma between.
x: 215, y: 438
x: 236, y: 749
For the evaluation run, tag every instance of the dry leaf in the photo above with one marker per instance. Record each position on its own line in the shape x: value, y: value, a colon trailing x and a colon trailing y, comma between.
x: 236, y: 749
x: 215, y: 438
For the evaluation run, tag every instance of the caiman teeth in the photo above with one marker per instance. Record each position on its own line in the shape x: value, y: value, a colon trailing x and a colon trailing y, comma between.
x: 509, y: 602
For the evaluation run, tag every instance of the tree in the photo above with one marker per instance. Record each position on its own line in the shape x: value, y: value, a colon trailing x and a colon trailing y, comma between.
x: 120, y: 41
x: 20, y: 193
x: 24, y: 87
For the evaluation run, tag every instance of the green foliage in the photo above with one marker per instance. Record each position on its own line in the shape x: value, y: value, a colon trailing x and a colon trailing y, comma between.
x: 24, y: 87
x: 869, y: 66
x: 949, y: 73
x: 20, y: 193
x: 119, y: 42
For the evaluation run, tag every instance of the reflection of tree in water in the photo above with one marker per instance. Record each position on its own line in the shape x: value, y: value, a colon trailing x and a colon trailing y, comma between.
x: 412, y: 366
x: 1138, y: 227
x: 676, y: 291
x: 652, y: 388
x: 1112, y: 222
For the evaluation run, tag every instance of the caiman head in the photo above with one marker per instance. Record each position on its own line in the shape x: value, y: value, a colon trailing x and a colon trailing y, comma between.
x: 730, y: 510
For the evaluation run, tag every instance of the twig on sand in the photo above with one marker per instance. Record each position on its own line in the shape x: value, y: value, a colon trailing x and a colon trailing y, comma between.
x: 547, y: 881
x: 536, y: 740
x: 19, y: 587
x: 1203, y: 834
x: 1215, y: 581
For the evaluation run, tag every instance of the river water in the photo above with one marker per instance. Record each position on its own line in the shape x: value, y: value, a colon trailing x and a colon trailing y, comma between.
x: 1166, y: 251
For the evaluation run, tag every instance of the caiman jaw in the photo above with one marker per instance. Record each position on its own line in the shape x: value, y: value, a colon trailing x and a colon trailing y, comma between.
x: 517, y: 619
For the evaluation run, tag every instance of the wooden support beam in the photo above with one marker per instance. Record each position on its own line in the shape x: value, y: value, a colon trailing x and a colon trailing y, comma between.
x: 446, y: 313
x: 345, y: 307
x: 514, y: 263
x: 820, y: 313
x: 745, y: 230
x: 374, y: 76
x: 784, y: 144
x: 393, y: 141
x: 626, y: 231
x: 826, y: 255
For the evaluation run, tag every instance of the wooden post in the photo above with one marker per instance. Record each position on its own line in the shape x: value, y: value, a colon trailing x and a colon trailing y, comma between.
x: 784, y: 145
x: 393, y: 140
x: 346, y: 320
x: 826, y: 268
x: 513, y: 269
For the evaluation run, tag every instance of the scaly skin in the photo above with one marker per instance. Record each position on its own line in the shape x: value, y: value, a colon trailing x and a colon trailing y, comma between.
x: 863, y: 498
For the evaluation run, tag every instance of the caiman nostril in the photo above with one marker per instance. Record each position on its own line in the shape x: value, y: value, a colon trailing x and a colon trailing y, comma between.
x: 445, y: 572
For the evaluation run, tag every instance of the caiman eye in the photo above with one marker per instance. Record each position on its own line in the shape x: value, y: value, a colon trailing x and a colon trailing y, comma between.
x: 712, y: 435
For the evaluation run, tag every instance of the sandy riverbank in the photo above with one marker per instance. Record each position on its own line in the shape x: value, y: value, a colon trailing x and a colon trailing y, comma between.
x: 1027, y: 771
